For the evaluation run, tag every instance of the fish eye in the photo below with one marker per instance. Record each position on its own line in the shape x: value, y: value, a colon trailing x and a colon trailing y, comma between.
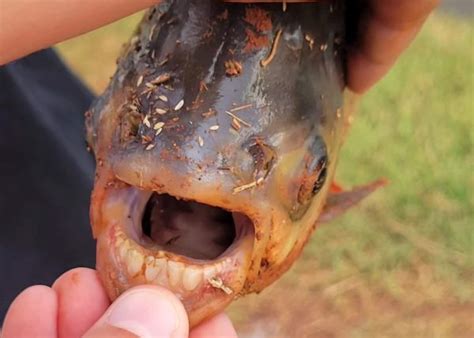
x: 321, y: 176
x: 312, y: 180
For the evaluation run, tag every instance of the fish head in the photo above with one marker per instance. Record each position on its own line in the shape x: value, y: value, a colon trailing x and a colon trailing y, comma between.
x: 216, y: 144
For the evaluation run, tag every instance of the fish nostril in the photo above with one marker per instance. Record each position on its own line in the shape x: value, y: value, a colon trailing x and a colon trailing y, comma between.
x: 129, y: 125
x: 264, y: 158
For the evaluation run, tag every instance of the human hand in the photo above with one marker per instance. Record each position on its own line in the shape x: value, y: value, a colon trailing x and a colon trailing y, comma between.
x: 77, y: 306
x: 385, y: 29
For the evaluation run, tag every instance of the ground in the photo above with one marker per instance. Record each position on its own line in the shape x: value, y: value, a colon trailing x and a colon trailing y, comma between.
x: 401, y: 264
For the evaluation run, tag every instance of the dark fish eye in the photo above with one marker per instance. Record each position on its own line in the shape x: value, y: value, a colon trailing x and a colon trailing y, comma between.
x: 313, y: 180
x: 321, y: 175
x: 313, y: 177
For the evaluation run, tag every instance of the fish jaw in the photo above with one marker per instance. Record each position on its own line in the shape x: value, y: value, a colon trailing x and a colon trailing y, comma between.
x: 266, y: 243
x: 127, y: 258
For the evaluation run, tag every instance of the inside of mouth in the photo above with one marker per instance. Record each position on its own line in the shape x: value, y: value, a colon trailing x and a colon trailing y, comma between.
x: 188, y: 228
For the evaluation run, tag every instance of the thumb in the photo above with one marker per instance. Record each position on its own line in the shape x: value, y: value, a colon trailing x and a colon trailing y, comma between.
x: 145, y: 311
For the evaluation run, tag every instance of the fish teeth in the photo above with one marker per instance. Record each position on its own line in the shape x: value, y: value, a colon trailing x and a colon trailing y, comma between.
x: 150, y: 260
x: 134, y: 262
x: 119, y: 241
x: 175, y: 272
x: 161, y: 263
x: 157, y: 269
x: 123, y: 250
x: 151, y: 272
x: 191, y: 278
x: 219, y: 267
x: 209, y: 272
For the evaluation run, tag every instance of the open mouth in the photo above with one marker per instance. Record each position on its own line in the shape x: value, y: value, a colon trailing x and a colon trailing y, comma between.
x: 176, y: 243
x: 188, y: 228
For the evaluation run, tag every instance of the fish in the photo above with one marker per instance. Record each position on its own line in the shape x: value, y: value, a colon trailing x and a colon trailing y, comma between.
x: 216, y: 143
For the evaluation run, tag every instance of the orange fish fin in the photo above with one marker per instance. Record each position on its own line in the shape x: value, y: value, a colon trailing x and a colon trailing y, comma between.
x: 339, y: 202
x: 336, y: 187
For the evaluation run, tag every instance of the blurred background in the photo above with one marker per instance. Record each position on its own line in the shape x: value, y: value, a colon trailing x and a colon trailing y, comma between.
x: 402, y: 263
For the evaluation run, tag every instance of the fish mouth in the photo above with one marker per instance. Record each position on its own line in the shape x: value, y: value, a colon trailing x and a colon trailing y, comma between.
x: 191, y: 229
x: 199, y: 251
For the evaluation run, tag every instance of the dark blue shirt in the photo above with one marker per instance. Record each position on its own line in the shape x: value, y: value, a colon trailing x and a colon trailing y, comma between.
x: 46, y: 174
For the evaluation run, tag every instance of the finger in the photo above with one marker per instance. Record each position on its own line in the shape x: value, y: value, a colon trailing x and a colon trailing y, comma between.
x: 145, y: 311
x: 218, y: 326
x: 32, y: 314
x: 386, y: 30
x: 81, y: 301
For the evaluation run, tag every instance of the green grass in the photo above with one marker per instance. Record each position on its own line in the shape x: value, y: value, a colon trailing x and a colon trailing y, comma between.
x: 402, y: 263
x: 415, y: 128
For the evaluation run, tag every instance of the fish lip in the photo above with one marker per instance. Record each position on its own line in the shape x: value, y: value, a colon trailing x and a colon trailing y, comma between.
x: 121, y: 209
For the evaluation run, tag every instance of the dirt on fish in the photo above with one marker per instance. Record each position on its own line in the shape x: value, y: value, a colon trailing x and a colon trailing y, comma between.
x: 255, y: 41
x: 259, y: 19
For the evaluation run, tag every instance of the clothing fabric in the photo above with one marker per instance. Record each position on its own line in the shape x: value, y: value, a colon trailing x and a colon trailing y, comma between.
x: 46, y: 174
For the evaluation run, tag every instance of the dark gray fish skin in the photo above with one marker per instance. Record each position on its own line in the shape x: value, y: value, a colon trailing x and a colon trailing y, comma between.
x: 236, y: 106
x: 300, y: 86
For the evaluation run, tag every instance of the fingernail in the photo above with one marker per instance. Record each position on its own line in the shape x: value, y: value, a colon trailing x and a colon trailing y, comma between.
x: 145, y: 313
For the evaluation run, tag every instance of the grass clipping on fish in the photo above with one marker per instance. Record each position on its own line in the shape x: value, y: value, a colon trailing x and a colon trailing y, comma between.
x: 217, y: 283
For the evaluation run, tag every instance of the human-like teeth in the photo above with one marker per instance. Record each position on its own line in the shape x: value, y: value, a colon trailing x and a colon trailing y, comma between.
x: 134, y: 262
x: 175, y: 272
x: 151, y: 273
x: 209, y: 272
x: 123, y: 250
x: 191, y: 278
x: 119, y: 241
x: 150, y: 260
x: 152, y: 269
x: 160, y: 270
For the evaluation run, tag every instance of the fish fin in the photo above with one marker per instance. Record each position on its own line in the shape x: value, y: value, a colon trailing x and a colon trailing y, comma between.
x: 336, y: 187
x: 338, y: 202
